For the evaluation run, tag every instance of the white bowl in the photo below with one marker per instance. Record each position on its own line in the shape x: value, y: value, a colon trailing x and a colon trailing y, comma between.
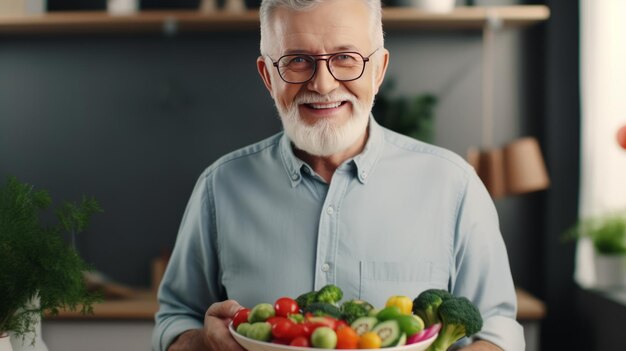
x: 255, y: 345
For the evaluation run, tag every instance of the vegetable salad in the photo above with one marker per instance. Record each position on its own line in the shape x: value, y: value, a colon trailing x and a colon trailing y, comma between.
x: 318, y: 319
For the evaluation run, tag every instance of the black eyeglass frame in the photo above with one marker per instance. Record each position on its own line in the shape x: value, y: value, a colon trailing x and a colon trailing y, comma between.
x: 319, y: 57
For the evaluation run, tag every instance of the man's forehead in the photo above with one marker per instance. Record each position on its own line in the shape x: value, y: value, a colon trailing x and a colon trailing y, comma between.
x: 337, y: 24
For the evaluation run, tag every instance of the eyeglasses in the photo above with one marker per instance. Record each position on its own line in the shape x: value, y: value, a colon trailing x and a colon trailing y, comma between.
x: 300, y: 68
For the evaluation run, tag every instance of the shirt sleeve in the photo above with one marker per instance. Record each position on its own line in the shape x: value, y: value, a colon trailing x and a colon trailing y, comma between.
x: 189, y: 283
x: 481, y: 268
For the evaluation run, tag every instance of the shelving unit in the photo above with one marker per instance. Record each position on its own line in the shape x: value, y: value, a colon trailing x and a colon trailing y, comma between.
x: 172, y: 22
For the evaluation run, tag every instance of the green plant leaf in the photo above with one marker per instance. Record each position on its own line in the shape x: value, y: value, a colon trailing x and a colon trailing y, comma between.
x: 607, y: 232
x: 35, y: 261
x: 412, y: 116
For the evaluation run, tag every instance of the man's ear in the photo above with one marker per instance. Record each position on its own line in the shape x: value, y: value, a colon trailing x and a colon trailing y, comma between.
x: 265, y: 73
x: 381, y: 70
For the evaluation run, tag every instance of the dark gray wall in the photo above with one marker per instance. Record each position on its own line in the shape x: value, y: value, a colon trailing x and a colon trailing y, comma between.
x: 561, y: 126
x: 134, y: 120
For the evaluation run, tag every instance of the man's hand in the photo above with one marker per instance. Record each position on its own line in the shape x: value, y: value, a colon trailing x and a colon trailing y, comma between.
x: 216, y: 320
x: 481, y: 345
x: 214, y: 336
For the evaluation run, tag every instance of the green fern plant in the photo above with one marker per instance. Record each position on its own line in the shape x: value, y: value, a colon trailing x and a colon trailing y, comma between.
x: 35, y: 260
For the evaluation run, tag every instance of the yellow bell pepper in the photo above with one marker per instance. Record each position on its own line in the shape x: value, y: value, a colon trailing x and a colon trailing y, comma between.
x: 403, y: 302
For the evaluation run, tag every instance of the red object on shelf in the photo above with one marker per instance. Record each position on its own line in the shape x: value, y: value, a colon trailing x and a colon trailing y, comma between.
x: 621, y: 137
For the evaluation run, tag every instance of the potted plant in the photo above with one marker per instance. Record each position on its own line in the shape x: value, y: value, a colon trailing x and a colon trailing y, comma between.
x: 607, y: 233
x: 39, y: 271
x: 412, y: 116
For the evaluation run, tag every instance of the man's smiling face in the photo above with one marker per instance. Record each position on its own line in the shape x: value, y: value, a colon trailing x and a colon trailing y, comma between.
x: 325, y: 116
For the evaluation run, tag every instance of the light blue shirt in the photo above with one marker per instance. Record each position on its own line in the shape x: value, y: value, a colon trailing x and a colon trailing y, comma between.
x: 400, y: 217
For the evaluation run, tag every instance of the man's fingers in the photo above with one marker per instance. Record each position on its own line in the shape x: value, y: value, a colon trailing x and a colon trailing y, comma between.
x: 225, y: 309
x: 216, y: 319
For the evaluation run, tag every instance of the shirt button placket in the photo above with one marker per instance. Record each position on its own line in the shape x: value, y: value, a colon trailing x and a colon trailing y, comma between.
x: 327, y: 240
x: 325, y: 267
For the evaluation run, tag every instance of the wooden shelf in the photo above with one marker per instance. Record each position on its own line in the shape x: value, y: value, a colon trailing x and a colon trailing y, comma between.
x: 469, y: 17
x: 172, y: 22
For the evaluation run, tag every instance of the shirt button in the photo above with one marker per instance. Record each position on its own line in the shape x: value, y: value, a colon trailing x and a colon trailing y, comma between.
x: 325, y: 267
x: 330, y: 210
x: 363, y: 174
x: 295, y: 176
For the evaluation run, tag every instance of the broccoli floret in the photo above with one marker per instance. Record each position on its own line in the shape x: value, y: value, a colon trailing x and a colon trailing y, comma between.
x: 425, y: 305
x: 329, y: 294
x: 353, y: 309
x: 460, y: 318
x: 306, y: 299
x: 323, y: 309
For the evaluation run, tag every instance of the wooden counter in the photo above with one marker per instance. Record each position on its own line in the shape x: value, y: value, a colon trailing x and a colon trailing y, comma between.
x: 143, y: 306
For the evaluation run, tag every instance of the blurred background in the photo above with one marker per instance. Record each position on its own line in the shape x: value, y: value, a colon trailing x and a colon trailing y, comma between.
x: 132, y: 116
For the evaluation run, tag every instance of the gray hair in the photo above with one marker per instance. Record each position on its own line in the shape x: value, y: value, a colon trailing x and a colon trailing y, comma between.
x: 269, y: 6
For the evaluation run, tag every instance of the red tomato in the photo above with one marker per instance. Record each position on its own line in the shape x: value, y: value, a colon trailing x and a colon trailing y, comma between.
x: 309, y: 327
x: 327, y: 321
x: 341, y: 323
x: 284, y: 329
x: 285, y: 306
x: 240, y: 316
x: 273, y: 320
x: 300, y: 341
x: 621, y: 137
x: 298, y: 330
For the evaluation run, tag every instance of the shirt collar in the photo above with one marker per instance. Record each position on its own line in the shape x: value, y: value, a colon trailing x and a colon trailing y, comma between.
x: 364, y: 162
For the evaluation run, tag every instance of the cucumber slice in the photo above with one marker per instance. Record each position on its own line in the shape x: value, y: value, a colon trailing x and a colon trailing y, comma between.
x: 363, y: 324
x: 389, y: 332
x: 401, y: 341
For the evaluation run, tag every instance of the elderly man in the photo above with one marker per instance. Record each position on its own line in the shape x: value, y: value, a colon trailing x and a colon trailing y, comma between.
x: 334, y: 199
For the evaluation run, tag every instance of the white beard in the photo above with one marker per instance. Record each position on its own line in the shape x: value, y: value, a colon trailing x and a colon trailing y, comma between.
x: 326, y: 137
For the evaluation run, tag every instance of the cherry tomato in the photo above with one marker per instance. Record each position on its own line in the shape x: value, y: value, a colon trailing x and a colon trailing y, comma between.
x: 347, y: 338
x: 300, y: 341
x: 341, y: 323
x: 298, y: 330
x: 273, y: 320
x: 240, y: 316
x: 309, y: 327
x: 285, y: 306
x: 327, y: 321
x: 283, y: 328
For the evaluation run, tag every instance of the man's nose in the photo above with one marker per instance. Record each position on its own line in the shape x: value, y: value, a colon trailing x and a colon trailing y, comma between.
x: 323, y: 82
